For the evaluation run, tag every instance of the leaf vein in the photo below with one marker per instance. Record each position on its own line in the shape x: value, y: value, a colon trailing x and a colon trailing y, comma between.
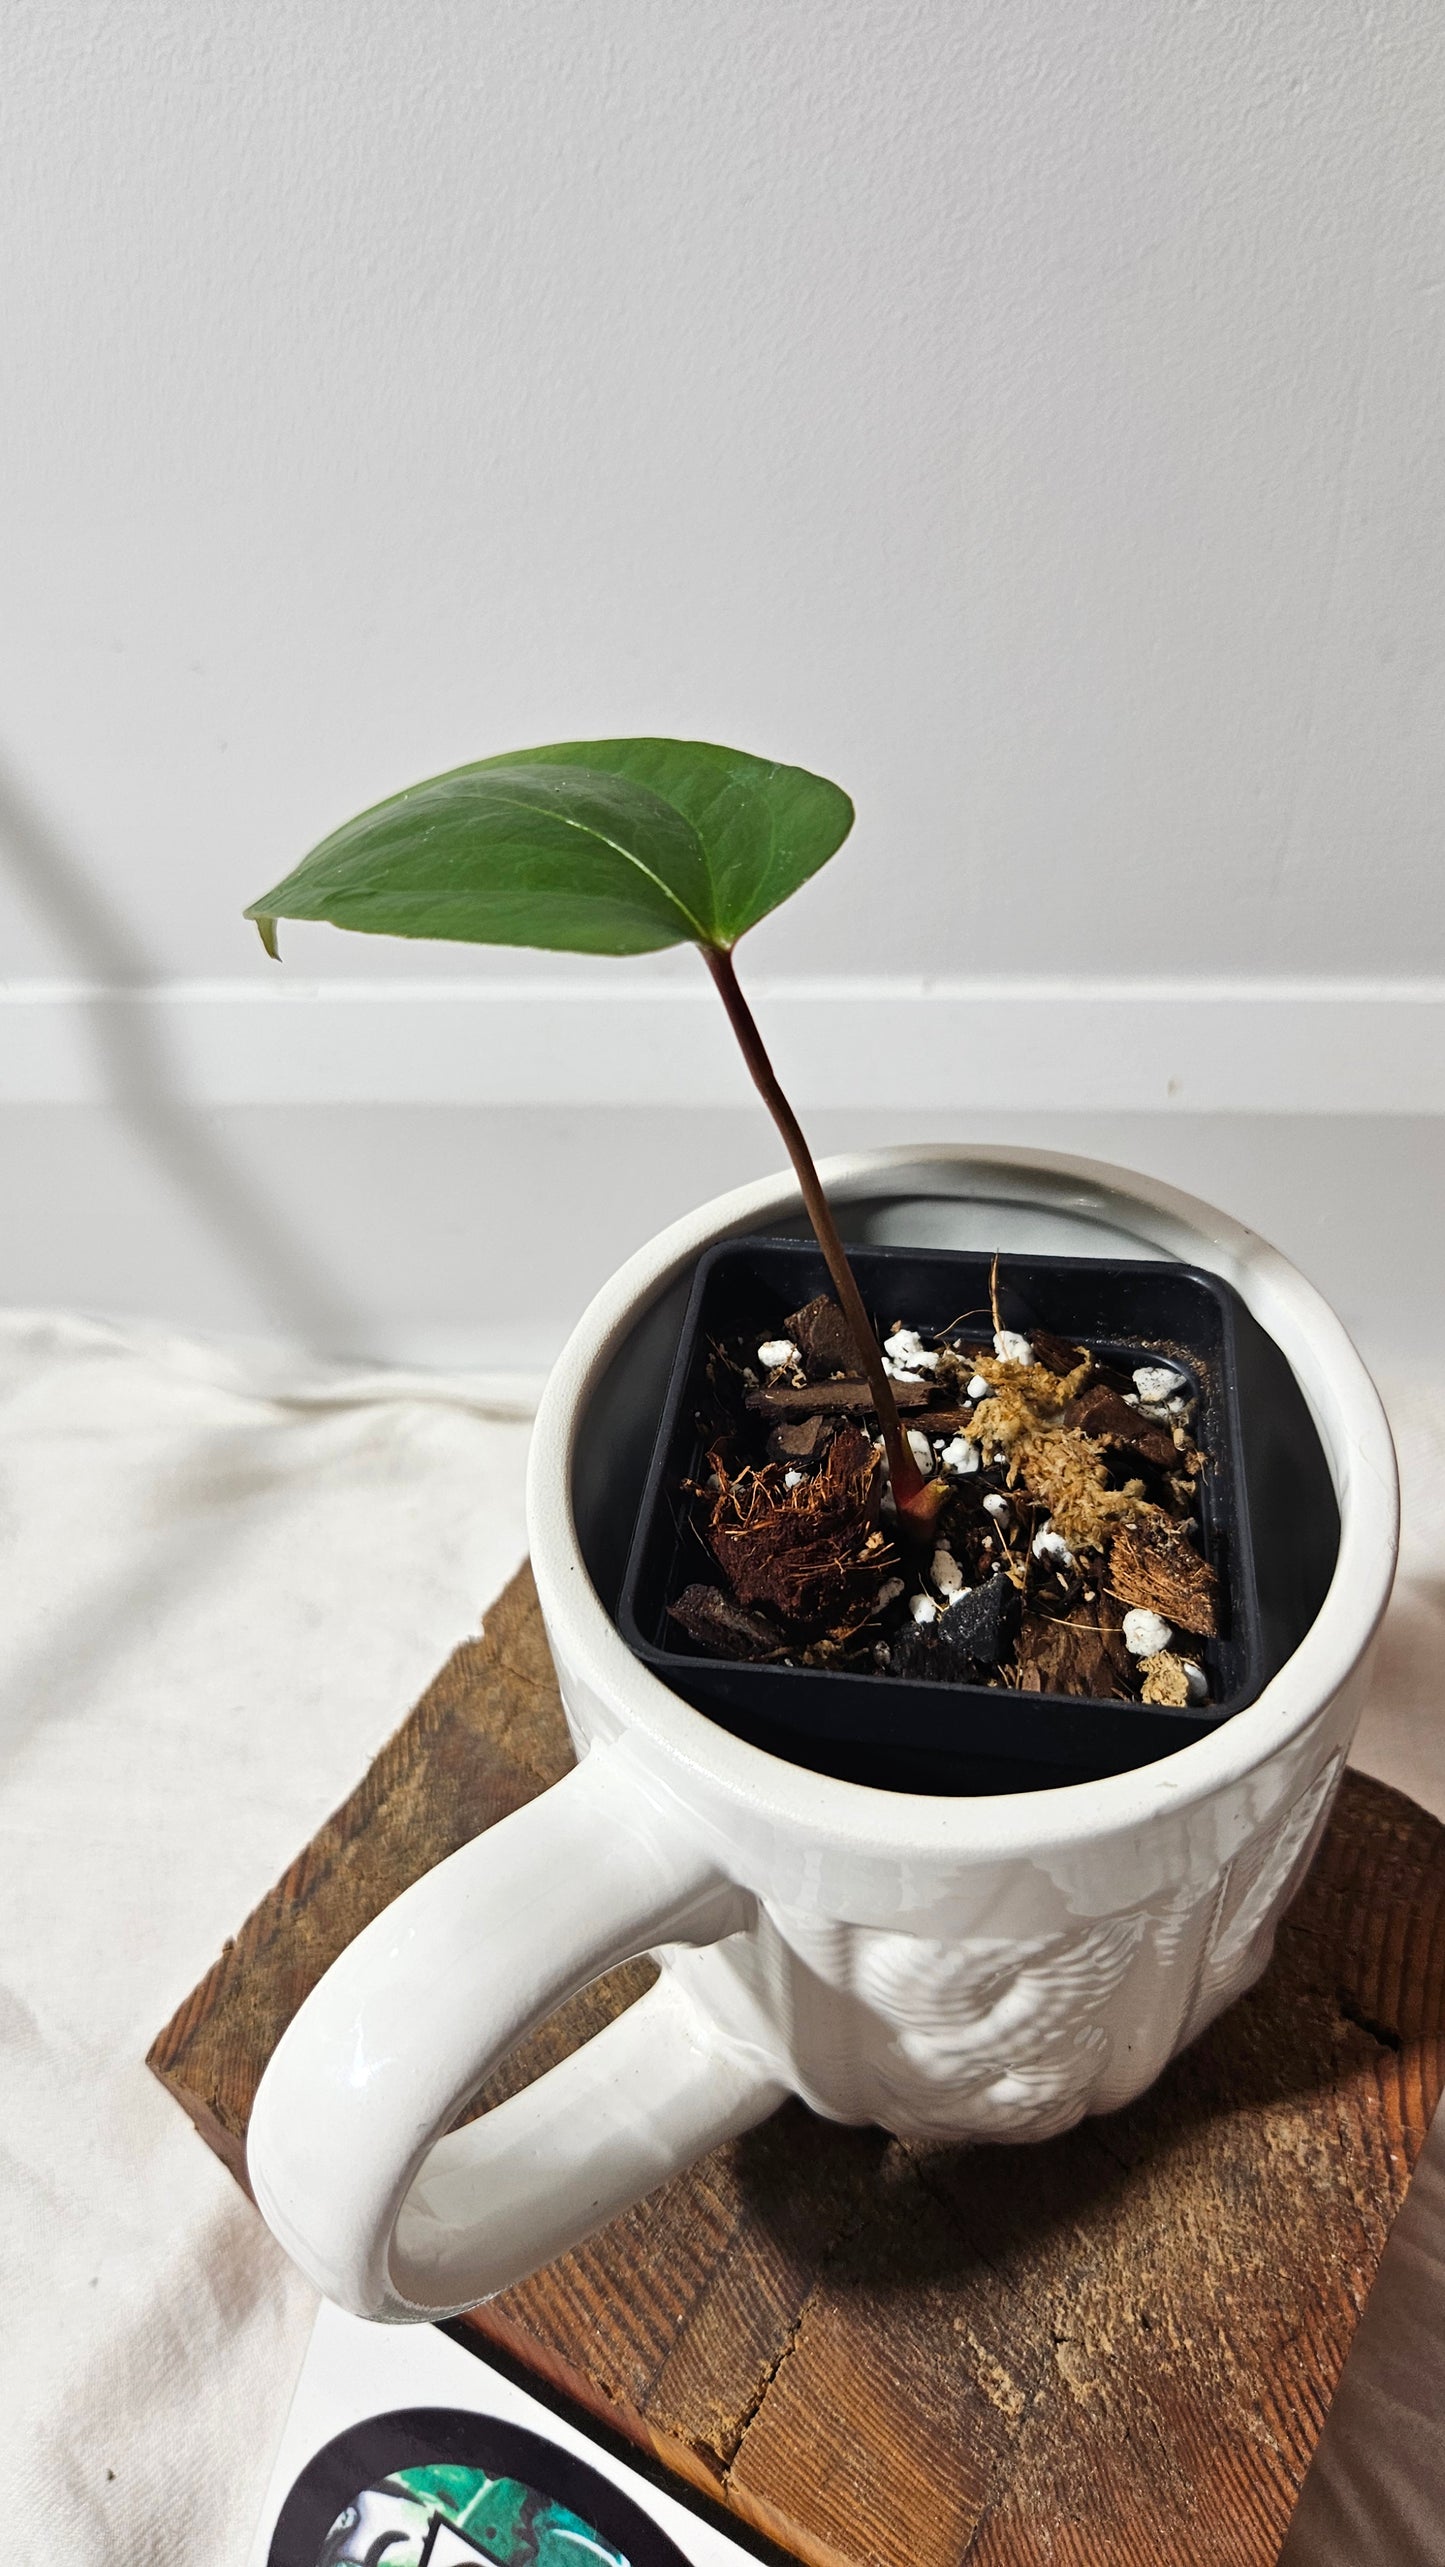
x: 587, y: 830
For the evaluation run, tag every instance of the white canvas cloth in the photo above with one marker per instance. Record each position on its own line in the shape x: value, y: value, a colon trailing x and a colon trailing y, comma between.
x: 224, y: 1585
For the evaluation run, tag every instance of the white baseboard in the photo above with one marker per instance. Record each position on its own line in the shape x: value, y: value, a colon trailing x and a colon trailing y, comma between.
x: 1192, y: 1046
x: 466, y: 1236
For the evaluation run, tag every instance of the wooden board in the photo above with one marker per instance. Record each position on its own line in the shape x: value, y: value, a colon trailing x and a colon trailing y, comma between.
x: 1117, y: 2347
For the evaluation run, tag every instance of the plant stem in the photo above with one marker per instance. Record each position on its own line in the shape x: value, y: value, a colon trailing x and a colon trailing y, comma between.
x: 910, y: 1491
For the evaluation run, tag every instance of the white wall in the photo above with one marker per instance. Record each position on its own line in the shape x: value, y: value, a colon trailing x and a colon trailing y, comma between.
x: 1027, y: 414
x: 456, y: 1236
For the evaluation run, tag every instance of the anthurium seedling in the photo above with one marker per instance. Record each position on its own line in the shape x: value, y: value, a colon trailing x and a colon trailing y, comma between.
x: 609, y: 847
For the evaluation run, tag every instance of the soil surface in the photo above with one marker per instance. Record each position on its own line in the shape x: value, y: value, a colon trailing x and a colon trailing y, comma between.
x: 1065, y: 1557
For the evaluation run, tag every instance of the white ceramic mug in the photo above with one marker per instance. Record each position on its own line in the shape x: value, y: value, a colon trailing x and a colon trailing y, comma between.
x: 975, y: 1968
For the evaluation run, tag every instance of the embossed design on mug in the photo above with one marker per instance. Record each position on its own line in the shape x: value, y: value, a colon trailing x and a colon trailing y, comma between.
x: 989, y: 2036
x: 1260, y: 1884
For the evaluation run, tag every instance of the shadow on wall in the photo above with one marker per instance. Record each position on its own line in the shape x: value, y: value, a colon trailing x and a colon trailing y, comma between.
x: 294, y: 1290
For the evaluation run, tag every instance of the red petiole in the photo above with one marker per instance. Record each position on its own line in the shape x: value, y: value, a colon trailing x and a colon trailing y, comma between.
x: 916, y: 1499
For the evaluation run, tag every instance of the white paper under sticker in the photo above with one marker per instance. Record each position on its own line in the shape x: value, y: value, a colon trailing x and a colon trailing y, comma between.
x: 403, y: 2445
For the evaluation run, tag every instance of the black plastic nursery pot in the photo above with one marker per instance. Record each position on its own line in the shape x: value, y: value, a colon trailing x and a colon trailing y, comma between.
x: 1268, y: 1520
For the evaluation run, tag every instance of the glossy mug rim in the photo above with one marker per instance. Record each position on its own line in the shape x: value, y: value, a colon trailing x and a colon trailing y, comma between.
x: 1343, y: 1401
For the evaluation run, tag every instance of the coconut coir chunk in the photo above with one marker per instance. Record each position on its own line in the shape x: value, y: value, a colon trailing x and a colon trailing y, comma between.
x: 814, y: 1553
x: 1163, y: 1572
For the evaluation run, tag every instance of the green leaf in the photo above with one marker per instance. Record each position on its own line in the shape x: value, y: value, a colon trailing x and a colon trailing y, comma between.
x: 591, y: 847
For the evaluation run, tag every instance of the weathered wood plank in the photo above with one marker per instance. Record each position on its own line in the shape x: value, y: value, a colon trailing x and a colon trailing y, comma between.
x: 1114, y: 2348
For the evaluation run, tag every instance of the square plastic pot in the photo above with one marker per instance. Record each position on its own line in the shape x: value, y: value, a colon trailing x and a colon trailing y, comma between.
x: 1268, y: 1519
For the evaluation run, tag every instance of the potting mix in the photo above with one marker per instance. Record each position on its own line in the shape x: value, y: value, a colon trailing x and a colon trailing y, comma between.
x: 1065, y: 1556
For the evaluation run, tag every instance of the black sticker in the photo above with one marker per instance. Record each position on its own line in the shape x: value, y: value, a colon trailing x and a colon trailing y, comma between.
x: 441, y: 2487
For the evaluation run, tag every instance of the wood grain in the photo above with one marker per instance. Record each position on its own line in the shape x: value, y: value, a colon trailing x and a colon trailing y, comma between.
x: 1117, y: 2347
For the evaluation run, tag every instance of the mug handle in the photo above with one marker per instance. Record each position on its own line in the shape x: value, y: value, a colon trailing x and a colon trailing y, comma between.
x: 351, y: 2153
